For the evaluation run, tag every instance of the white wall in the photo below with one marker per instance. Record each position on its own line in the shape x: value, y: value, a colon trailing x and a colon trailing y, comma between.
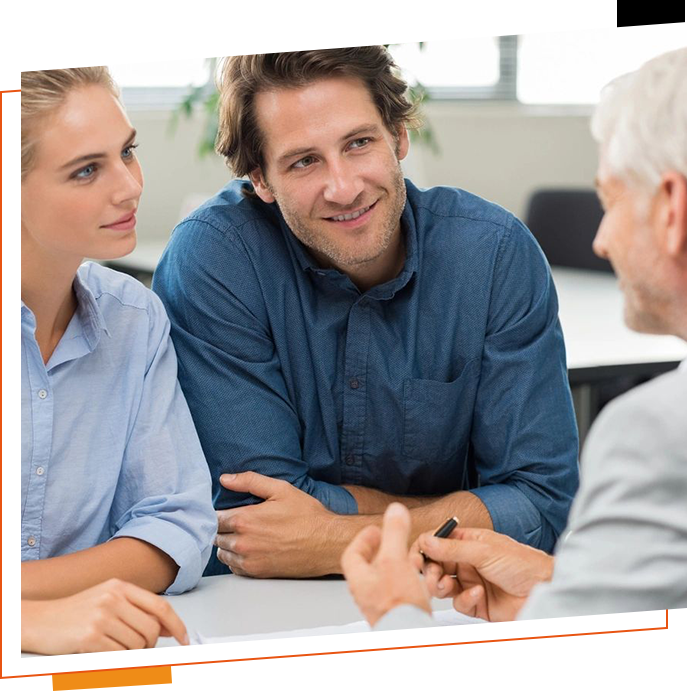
x: 499, y: 151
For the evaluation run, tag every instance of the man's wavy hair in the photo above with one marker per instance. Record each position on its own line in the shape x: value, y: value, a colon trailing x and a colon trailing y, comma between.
x: 239, y: 139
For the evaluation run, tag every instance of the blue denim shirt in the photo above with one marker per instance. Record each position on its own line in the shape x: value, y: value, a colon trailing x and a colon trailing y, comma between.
x: 108, y: 447
x: 450, y: 376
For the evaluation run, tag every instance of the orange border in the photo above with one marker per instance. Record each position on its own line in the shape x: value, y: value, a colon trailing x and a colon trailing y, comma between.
x: 10, y: 145
x: 346, y: 678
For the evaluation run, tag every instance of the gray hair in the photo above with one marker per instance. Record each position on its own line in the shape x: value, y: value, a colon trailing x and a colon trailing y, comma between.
x: 43, y: 92
x: 641, y: 121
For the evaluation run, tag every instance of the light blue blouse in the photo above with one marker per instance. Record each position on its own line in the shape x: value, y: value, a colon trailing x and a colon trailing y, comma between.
x: 108, y: 445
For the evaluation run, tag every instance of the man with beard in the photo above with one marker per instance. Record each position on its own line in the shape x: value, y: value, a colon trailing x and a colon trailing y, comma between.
x: 346, y: 339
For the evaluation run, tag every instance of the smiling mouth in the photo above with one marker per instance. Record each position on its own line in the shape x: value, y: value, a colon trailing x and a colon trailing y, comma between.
x: 352, y: 216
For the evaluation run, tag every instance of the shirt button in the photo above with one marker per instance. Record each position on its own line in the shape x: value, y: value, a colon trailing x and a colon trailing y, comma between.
x: 31, y: 541
x: 350, y: 460
x: 354, y: 383
x: 40, y: 471
x: 42, y: 394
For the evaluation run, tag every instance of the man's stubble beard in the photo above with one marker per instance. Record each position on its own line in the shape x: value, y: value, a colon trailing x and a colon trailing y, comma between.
x: 330, y: 249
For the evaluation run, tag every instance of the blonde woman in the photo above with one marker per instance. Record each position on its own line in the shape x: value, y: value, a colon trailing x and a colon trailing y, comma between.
x: 116, y: 500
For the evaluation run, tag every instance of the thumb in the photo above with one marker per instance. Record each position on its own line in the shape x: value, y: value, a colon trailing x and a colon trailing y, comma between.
x: 258, y: 485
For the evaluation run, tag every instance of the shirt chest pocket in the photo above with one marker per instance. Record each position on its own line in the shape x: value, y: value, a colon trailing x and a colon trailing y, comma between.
x: 438, y: 416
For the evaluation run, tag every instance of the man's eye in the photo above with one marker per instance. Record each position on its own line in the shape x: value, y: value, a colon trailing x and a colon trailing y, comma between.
x: 304, y: 162
x: 359, y: 143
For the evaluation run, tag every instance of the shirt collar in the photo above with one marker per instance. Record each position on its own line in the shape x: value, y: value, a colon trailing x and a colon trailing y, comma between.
x: 382, y: 292
x: 89, y: 312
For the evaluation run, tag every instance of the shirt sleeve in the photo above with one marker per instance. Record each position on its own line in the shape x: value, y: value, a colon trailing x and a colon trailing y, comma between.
x: 229, y: 367
x: 524, y: 432
x: 626, y: 547
x: 163, y: 495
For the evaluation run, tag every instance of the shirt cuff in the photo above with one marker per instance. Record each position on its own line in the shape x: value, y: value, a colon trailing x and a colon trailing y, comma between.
x: 335, y: 498
x: 174, y: 542
x: 512, y: 513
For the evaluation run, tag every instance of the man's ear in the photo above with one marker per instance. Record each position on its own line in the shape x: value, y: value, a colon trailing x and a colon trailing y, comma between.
x: 673, y: 193
x: 403, y: 142
x: 260, y: 185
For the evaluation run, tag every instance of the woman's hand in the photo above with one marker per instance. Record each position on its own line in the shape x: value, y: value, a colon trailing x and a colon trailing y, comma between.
x: 113, y: 615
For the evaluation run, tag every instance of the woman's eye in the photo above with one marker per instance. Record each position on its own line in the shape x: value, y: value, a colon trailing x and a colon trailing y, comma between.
x: 86, y: 172
x: 128, y: 151
x: 304, y: 162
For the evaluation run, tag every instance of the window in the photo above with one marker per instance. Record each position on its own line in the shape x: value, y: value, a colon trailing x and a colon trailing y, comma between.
x: 550, y: 68
x: 573, y: 67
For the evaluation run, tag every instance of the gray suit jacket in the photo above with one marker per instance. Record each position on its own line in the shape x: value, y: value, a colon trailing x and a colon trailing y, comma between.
x: 625, y: 549
x: 626, y: 545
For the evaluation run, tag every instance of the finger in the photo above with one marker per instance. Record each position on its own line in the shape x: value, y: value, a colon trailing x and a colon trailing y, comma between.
x: 104, y: 644
x: 226, y: 541
x: 417, y: 560
x: 433, y: 573
x: 456, y: 551
x: 485, y: 535
x: 228, y: 558
x: 119, y: 631
x: 468, y: 576
x: 395, y: 532
x: 448, y: 586
x: 227, y: 519
x: 254, y: 483
x: 171, y: 624
x: 361, y: 550
x: 471, y: 602
x: 143, y: 623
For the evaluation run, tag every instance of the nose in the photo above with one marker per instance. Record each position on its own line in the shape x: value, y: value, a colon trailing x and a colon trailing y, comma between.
x: 129, y: 183
x: 599, y: 245
x: 343, y: 185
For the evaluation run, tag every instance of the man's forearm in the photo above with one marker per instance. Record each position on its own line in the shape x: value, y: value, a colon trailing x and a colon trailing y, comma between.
x: 340, y: 530
x: 125, y: 558
x: 373, y: 501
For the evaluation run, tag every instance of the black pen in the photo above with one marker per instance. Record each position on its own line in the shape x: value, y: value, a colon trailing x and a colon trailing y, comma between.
x: 444, y: 531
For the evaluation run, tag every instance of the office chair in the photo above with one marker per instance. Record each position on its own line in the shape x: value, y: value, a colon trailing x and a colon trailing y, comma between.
x: 564, y: 222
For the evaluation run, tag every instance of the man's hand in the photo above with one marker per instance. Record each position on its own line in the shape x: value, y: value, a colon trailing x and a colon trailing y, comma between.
x: 284, y: 536
x: 379, y: 570
x: 113, y: 615
x: 487, y: 574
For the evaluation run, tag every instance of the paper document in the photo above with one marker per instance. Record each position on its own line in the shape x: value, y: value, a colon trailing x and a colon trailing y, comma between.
x: 450, y: 627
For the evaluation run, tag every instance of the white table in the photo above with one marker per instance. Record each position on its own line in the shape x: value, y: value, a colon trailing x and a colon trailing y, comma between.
x: 232, y: 605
